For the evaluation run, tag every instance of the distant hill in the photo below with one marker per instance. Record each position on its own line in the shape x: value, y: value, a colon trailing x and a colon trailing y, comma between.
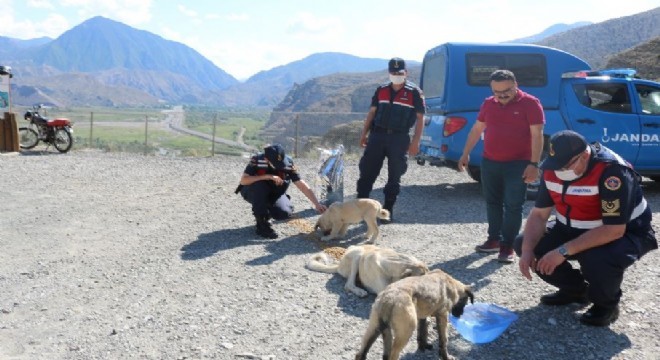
x: 324, y: 102
x: 552, y: 30
x: 119, y: 55
x: 645, y: 58
x: 596, y: 43
x: 268, y: 88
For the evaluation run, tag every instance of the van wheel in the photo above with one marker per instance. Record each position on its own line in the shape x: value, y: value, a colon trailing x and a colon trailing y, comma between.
x: 474, y: 172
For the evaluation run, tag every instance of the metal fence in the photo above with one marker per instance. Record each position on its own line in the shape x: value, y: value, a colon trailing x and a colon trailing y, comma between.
x: 165, y: 132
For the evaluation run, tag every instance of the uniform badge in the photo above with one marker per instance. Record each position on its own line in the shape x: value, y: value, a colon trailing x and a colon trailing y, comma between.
x: 612, y: 183
x: 610, y: 208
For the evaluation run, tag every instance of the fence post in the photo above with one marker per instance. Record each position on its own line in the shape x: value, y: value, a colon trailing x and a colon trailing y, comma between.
x: 146, y: 132
x: 91, y: 128
x: 215, y: 118
x: 295, y: 144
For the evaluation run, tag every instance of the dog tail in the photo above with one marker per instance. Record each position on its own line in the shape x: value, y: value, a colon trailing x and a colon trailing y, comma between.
x: 323, y: 263
x: 384, y: 214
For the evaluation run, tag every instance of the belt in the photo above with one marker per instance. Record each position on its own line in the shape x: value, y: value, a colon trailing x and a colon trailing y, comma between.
x: 387, y: 131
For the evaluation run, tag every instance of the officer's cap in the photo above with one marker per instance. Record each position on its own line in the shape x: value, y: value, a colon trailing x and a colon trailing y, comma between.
x: 277, y: 157
x: 564, y: 146
x: 396, y: 65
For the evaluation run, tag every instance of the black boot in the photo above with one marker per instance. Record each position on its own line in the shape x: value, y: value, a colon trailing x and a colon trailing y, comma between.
x: 264, y: 229
x: 389, y: 206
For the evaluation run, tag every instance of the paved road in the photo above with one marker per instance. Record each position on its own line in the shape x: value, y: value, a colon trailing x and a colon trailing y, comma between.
x: 175, y: 117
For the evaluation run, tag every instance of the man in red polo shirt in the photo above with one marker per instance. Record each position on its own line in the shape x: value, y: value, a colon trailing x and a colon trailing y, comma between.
x: 512, y: 122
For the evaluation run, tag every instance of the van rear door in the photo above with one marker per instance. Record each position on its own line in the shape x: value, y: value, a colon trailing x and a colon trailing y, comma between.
x: 602, y: 111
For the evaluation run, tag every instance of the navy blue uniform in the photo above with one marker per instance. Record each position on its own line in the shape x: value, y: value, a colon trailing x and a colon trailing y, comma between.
x: 266, y: 197
x: 609, y: 193
x: 396, y: 113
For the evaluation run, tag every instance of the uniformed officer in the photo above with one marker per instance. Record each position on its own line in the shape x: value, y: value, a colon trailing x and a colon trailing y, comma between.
x: 264, y: 184
x: 395, y: 108
x: 602, y: 221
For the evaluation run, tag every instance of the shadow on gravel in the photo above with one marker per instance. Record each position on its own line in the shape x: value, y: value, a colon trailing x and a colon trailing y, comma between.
x: 472, y: 269
x: 547, y: 332
x: 210, y: 243
x: 40, y: 152
x: 438, y: 204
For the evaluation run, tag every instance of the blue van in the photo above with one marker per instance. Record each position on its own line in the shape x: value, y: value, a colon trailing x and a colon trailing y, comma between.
x: 613, y: 107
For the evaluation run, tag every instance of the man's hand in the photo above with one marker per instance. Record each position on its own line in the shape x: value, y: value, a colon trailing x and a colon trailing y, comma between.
x: 531, y: 174
x: 320, y: 208
x: 277, y: 180
x: 527, y: 261
x: 363, y: 140
x: 463, y: 162
x: 549, y: 262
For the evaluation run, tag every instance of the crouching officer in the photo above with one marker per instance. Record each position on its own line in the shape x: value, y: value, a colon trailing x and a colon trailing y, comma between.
x: 603, y: 222
x: 264, y: 184
x: 395, y: 108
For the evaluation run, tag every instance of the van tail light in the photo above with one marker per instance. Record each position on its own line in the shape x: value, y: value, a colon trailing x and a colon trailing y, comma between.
x: 453, y: 125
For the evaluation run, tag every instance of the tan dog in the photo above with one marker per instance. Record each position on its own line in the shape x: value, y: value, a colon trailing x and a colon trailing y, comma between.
x: 404, y: 306
x: 377, y: 267
x: 339, y: 215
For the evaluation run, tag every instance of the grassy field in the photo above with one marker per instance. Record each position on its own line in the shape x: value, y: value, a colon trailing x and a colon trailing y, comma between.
x: 124, y: 130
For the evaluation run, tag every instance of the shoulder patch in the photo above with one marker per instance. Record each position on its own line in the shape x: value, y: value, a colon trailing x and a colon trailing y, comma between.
x: 612, y: 183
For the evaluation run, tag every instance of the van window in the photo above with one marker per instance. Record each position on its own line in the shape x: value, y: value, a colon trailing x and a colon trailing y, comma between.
x: 610, y: 97
x: 435, y: 72
x: 530, y: 69
x: 649, y: 97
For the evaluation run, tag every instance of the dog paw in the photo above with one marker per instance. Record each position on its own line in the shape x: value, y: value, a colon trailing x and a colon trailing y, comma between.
x: 359, y: 292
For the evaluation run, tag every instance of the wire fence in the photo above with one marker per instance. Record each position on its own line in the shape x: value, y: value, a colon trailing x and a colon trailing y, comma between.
x: 168, y: 133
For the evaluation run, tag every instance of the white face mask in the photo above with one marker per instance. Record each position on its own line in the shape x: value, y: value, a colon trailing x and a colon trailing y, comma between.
x: 566, y: 175
x: 397, y: 79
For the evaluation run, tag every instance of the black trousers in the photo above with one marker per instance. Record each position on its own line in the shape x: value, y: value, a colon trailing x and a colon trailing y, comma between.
x: 601, y: 268
x: 268, y: 199
x: 380, y: 145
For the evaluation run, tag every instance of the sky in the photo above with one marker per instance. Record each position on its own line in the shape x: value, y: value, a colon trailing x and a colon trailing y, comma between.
x: 245, y: 37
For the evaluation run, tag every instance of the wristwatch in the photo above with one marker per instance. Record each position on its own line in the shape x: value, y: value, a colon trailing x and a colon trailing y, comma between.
x: 534, y: 164
x: 563, y: 250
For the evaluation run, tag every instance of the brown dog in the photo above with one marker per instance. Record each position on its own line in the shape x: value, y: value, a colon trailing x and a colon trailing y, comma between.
x: 377, y: 267
x: 339, y: 215
x: 405, y: 304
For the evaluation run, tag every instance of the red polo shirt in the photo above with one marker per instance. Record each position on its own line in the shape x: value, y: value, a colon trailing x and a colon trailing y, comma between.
x: 507, y: 136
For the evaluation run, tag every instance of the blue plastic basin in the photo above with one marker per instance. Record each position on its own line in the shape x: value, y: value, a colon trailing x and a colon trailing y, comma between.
x: 482, y: 323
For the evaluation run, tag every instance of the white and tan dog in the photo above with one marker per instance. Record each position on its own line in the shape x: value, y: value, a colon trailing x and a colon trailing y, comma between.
x: 338, y: 216
x: 405, y: 305
x: 375, y: 267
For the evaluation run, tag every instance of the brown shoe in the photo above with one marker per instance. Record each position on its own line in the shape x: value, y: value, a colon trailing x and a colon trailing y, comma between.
x: 490, y: 246
x: 506, y: 255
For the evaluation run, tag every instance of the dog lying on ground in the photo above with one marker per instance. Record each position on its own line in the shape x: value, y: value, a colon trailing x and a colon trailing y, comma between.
x: 404, y: 306
x: 376, y: 267
x: 338, y: 216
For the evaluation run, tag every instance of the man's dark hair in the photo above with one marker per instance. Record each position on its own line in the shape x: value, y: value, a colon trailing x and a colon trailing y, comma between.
x: 502, y: 75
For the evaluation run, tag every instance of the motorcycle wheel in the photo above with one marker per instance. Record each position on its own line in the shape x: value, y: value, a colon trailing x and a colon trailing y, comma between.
x: 62, y: 140
x: 28, y: 138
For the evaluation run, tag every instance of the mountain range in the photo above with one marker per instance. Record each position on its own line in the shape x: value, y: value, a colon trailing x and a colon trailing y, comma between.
x: 107, y: 63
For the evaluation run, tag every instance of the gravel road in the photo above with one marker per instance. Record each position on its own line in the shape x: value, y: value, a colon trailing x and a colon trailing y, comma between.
x: 118, y: 256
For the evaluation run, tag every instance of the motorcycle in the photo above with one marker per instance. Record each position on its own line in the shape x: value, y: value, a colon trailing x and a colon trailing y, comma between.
x: 57, y: 132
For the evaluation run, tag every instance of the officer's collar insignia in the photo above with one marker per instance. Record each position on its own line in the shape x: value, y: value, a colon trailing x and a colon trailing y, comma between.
x: 551, y: 151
